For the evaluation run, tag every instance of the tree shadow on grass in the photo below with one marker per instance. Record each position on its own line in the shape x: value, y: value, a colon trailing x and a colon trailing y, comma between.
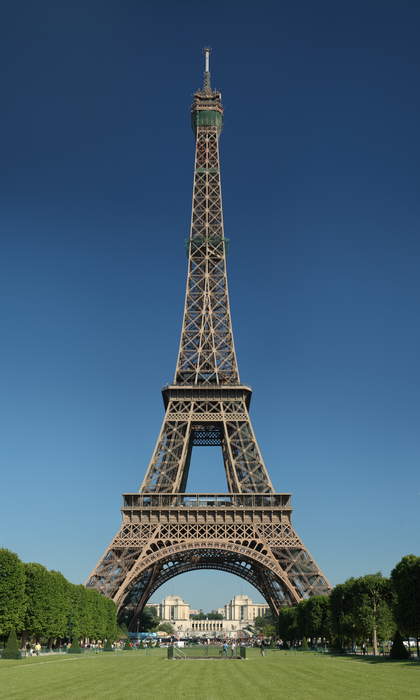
x: 407, y: 663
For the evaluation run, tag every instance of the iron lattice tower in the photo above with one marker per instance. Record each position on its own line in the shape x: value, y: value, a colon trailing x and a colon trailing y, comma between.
x: 247, y: 531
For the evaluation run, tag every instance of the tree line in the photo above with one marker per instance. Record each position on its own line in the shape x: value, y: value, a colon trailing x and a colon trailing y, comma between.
x: 42, y: 605
x: 370, y: 608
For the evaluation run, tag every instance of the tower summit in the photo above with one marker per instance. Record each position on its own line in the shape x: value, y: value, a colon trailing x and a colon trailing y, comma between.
x: 246, y: 531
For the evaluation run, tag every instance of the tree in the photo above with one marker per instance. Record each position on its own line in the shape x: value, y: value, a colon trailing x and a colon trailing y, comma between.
x: 214, y: 615
x: 11, y: 650
x: 373, y: 594
x: 361, y: 608
x: 405, y: 578
x: 302, y: 620
x: 122, y: 631
x: 96, y: 615
x: 44, y: 604
x: 12, y: 592
x: 266, y: 624
x: 37, y: 593
x: 48, y: 602
x: 287, y: 624
x: 398, y: 650
x: 319, y: 617
x: 343, y: 624
x: 110, y: 612
x: 59, y: 605
x: 148, y: 620
x: 76, y: 617
x: 75, y: 645
x: 166, y: 627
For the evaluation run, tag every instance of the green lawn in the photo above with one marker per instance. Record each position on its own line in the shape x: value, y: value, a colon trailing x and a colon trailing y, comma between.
x: 141, y: 674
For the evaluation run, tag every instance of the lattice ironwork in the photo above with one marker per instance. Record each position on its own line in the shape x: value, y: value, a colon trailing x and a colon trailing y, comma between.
x: 198, y: 414
x: 248, y: 530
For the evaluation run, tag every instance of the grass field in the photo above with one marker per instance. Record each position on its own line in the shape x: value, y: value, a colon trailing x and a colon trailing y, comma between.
x: 137, y: 674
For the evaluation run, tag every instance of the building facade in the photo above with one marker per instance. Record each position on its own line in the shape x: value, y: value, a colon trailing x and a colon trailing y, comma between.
x: 238, y: 613
x: 242, y: 609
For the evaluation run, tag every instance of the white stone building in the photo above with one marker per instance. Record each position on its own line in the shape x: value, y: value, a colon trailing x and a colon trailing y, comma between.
x: 240, y: 612
x: 242, y: 609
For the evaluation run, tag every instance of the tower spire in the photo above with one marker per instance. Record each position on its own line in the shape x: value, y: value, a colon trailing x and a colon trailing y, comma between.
x: 206, y: 80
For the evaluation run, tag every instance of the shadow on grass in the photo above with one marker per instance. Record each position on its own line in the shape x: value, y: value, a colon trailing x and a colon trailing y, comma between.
x: 408, y: 663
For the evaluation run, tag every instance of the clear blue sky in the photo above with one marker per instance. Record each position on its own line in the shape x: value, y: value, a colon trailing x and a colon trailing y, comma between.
x: 320, y: 166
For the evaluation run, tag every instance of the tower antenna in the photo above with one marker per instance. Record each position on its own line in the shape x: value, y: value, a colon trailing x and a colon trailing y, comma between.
x: 206, y: 83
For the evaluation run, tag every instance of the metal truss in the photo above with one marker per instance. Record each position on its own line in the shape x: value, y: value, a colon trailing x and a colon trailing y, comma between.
x: 207, y: 352
x: 247, y: 531
x: 210, y: 418
x: 250, y: 537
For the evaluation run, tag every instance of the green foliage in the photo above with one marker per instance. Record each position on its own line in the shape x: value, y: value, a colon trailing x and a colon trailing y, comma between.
x: 212, y: 615
x: 372, y: 597
x: 122, y: 631
x: 44, y: 604
x: 92, y: 614
x: 317, y: 617
x: 405, y: 578
x: 166, y: 627
x: 75, y: 645
x: 148, y: 620
x: 12, y: 592
x: 110, y: 612
x: 398, y: 650
x: 59, y: 604
x: 360, y: 609
x: 11, y: 650
x: 266, y: 624
x: 127, y: 644
x: 305, y: 646
x: 287, y: 624
x: 47, y: 594
x: 342, y: 614
x: 108, y: 646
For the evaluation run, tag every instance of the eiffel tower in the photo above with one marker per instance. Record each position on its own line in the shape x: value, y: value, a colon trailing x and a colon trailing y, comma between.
x: 246, y: 531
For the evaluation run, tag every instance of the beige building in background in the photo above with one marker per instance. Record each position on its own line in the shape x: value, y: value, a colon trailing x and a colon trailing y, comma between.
x: 241, y: 608
x: 239, y: 613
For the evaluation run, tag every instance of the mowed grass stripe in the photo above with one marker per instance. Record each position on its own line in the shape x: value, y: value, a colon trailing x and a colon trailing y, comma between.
x: 134, y: 675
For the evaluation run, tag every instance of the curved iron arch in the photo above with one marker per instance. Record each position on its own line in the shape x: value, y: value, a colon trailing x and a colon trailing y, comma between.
x: 169, y: 564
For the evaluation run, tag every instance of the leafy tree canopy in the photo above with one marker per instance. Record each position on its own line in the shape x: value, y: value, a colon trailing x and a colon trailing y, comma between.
x: 405, y: 578
x: 148, y: 620
x: 166, y: 627
x: 13, y: 601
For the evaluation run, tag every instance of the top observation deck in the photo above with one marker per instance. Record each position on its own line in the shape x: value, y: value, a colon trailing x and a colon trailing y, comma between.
x: 207, y: 109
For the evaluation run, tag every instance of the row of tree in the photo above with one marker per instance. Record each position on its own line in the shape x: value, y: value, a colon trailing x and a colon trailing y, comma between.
x: 149, y: 621
x: 369, y: 608
x: 41, y: 604
x: 212, y: 615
